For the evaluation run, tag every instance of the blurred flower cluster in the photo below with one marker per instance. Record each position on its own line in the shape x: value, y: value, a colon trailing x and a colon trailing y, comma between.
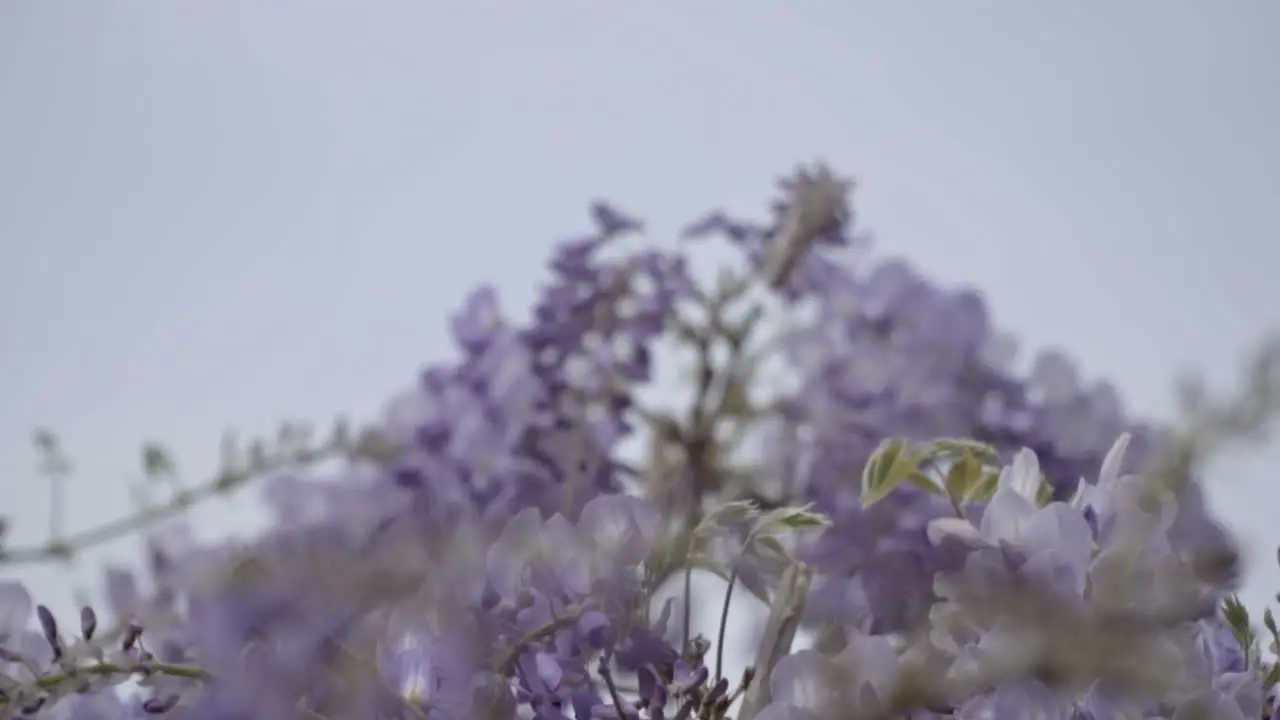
x: 959, y: 538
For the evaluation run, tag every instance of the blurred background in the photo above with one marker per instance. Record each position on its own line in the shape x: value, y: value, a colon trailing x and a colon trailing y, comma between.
x: 228, y: 214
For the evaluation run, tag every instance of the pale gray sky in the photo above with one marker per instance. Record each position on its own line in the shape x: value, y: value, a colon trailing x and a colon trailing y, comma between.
x: 226, y: 213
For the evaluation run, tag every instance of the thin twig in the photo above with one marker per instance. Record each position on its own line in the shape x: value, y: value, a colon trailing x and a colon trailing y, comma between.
x: 190, y: 672
x: 508, y: 661
x: 724, y: 621
x: 779, y: 634
x: 66, y: 548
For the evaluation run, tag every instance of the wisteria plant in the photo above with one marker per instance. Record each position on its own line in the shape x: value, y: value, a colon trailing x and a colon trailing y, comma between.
x: 935, y: 534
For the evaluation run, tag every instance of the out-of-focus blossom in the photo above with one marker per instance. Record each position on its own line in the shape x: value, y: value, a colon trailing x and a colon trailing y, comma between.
x: 487, y: 555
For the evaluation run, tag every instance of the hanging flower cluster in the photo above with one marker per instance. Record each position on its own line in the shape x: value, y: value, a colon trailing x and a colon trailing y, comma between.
x: 963, y: 540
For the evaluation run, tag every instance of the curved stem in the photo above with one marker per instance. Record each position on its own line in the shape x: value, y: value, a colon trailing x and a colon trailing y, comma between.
x: 64, y: 548
x: 46, y: 682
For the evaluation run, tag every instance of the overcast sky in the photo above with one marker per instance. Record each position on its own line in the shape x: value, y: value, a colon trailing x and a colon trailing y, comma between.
x: 228, y: 213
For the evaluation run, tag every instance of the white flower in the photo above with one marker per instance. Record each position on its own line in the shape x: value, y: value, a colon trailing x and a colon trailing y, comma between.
x: 15, y: 609
x: 1109, y: 479
x: 1057, y: 538
x: 1013, y: 504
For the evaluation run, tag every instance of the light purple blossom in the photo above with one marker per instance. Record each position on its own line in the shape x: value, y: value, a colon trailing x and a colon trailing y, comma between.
x: 500, y: 555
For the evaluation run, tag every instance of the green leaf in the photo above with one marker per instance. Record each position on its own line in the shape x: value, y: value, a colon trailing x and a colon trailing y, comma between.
x: 1044, y: 494
x: 1235, y: 613
x: 888, y: 466
x: 789, y: 519
x: 985, y: 487
x: 964, y: 474
x: 802, y: 519
x: 924, y: 482
x: 1272, y: 677
x: 1237, y: 616
x: 772, y: 545
x: 727, y: 515
x: 960, y: 447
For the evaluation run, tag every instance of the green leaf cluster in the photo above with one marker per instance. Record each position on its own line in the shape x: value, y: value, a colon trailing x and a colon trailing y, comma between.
x: 966, y: 470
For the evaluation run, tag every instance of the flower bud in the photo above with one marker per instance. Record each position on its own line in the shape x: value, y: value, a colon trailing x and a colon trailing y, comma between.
x: 50, y: 628
x: 131, y: 635
x: 88, y: 622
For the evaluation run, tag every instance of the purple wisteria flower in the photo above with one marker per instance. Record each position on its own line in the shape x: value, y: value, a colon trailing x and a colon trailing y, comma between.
x: 51, y: 672
x: 1049, y: 617
x: 974, y: 542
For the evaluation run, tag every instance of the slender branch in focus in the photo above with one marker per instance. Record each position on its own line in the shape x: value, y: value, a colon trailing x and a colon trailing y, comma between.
x: 190, y: 672
x: 724, y: 620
